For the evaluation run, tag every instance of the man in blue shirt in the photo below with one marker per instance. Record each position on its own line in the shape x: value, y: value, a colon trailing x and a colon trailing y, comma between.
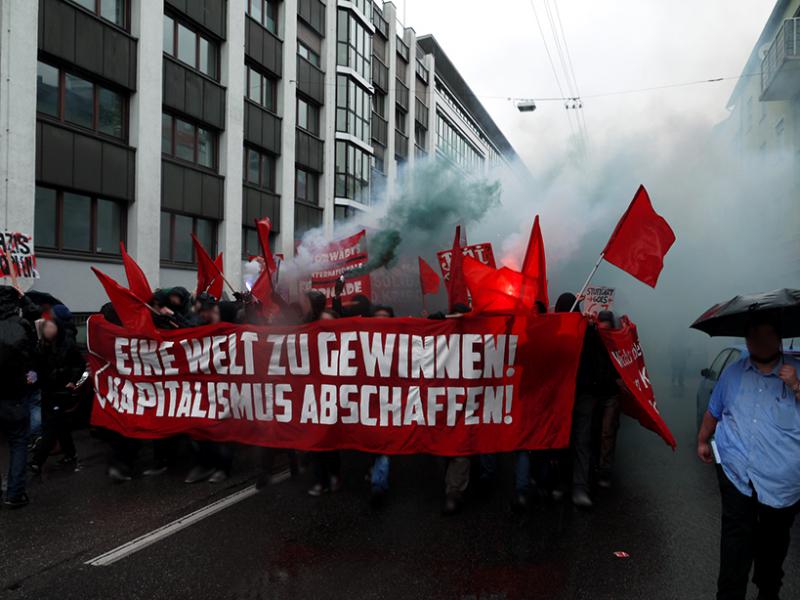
x: 755, y: 413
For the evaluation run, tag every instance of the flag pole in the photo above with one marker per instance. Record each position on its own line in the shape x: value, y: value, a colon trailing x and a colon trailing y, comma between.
x: 588, y: 281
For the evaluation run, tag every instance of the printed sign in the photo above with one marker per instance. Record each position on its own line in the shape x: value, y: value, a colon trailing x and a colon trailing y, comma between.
x: 338, y: 258
x: 480, y: 252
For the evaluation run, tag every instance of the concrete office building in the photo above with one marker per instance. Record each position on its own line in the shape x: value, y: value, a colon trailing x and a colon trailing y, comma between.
x: 144, y: 121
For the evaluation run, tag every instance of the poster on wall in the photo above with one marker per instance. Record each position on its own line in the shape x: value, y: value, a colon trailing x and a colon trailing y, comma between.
x: 17, y: 256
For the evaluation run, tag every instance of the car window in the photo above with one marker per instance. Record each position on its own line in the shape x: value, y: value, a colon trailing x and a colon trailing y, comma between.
x: 735, y: 355
x: 719, y: 363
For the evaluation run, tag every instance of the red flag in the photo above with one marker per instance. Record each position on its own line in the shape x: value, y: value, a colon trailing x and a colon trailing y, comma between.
x: 457, y: 285
x: 209, y: 272
x: 498, y: 290
x: 534, y: 265
x: 264, y: 226
x: 131, y: 310
x: 428, y: 279
x: 640, y: 241
x: 137, y: 280
x: 262, y: 290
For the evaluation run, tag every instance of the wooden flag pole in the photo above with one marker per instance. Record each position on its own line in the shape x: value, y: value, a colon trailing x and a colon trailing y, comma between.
x: 588, y: 281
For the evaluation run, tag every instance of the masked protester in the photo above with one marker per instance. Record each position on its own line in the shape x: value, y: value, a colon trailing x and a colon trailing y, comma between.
x: 60, y: 366
x: 17, y: 352
x: 754, y: 413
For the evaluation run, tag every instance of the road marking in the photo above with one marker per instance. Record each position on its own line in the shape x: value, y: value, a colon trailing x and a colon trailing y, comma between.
x: 167, y: 530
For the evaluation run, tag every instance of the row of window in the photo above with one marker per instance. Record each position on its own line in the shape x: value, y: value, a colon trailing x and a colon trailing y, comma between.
x: 176, y: 236
x: 352, y: 172
x: 114, y: 11
x: 76, y: 100
x: 191, y: 47
x: 353, y: 44
x: 264, y: 12
x: 353, y: 108
x: 261, y: 88
x: 309, y: 54
x: 188, y: 142
x: 455, y: 146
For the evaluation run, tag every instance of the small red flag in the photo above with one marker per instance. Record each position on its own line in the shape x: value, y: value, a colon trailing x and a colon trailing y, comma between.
x: 131, y: 310
x: 457, y: 286
x: 640, y: 241
x: 428, y: 279
x: 262, y: 290
x: 498, y: 290
x: 534, y: 266
x: 264, y: 227
x: 209, y: 272
x: 137, y: 280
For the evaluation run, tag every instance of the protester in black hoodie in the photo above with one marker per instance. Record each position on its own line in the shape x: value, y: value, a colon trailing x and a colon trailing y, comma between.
x: 60, y: 366
x: 17, y: 350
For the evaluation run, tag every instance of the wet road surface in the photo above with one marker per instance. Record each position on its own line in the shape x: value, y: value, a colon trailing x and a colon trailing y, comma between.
x: 281, y: 543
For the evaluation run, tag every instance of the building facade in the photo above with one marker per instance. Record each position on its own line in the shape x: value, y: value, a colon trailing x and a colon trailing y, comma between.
x: 764, y: 121
x: 146, y: 121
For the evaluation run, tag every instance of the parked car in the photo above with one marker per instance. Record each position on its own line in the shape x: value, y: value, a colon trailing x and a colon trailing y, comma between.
x: 711, y: 375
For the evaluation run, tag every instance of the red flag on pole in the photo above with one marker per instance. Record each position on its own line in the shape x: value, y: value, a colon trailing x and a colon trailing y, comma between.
x: 457, y: 285
x: 131, y: 310
x: 209, y: 272
x: 262, y: 290
x: 137, y: 280
x: 534, y: 266
x: 428, y: 279
x: 640, y: 241
x: 264, y: 227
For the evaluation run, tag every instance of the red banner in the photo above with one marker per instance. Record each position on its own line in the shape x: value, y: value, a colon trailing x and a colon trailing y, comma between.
x: 389, y: 386
x: 337, y: 259
x: 626, y: 354
x: 480, y: 252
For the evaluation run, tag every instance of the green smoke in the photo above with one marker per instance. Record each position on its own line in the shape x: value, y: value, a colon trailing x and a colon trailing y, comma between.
x: 432, y: 199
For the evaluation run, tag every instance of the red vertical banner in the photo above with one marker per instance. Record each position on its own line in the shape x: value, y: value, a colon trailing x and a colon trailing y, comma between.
x: 626, y: 354
x: 339, y: 258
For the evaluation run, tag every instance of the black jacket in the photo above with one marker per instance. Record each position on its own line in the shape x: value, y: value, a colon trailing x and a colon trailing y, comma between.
x: 59, y: 363
x: 596, y: 372
x: 17, y: 345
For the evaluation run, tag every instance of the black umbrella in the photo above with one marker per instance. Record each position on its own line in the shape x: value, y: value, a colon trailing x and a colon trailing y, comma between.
x: 731, y: 318
x: 42, y: 298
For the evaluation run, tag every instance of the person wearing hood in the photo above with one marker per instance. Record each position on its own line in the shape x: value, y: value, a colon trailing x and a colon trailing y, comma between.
x: 60, y: 367
x: 17, y: 352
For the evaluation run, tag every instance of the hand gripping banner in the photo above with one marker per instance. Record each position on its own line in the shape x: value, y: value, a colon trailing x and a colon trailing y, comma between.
x: 390, y: 386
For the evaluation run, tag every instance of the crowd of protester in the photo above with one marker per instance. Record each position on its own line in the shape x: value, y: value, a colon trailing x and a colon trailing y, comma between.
x: 45, y: 379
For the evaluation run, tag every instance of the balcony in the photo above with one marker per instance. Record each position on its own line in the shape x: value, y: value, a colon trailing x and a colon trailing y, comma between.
x: 779, y: 78
x: 400, y: 145
x: 379, y: 129
x: 401, y: 95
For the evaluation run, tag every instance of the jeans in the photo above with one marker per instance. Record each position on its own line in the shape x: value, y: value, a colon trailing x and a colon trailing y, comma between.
x: 35, y: 403
x: 380, y: 474
x: 57, y: 428
x: 581, y: 441
x: 753, y: 534
x: 522, y: 469
x: 608, y: 439
x: 456, y: 476
x: 14, y: 422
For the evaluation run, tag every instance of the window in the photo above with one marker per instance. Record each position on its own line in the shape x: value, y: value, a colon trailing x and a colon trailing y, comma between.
x: 353, y: 108
x: 306, y: 186
x: 187, y: 141
x: 78, y: 101
x: 176, y: 236
x: 400, y: 120
x: 379, y: 104
x: 72, y: 222
x: 251, y: 246
x: 420, y: 135
x: 307, y: 116
x: 110, y: 10
x: 260, y: 88
x: 264, y: 12
x: 353, y: 44
x: 259, y: 169
x: 308, y: 53
x: 352, y: 172
x: 452, y: 144
x: 190, y: 47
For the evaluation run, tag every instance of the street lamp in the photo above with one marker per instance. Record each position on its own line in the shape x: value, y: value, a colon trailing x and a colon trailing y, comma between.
x: 526, y: 105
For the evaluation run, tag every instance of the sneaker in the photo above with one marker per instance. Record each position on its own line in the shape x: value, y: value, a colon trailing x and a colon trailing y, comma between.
x: 519, y: 503
x: 336, y: 483
x: 317, y: 490
x: 17, y: 501
x: 198, y: 474
x: 218, y: 476
x: 67, y: 461
x: 34, y: 443
x: 118, y: 475
x: 35, y: 468
x: 581, y: 499
x: 452, y: 505
x: 604, y: 481
x: 557, y: 495
x: 154, y: 471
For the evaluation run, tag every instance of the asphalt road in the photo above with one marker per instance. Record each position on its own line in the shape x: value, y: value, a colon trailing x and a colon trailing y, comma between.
x: 663, y: 511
